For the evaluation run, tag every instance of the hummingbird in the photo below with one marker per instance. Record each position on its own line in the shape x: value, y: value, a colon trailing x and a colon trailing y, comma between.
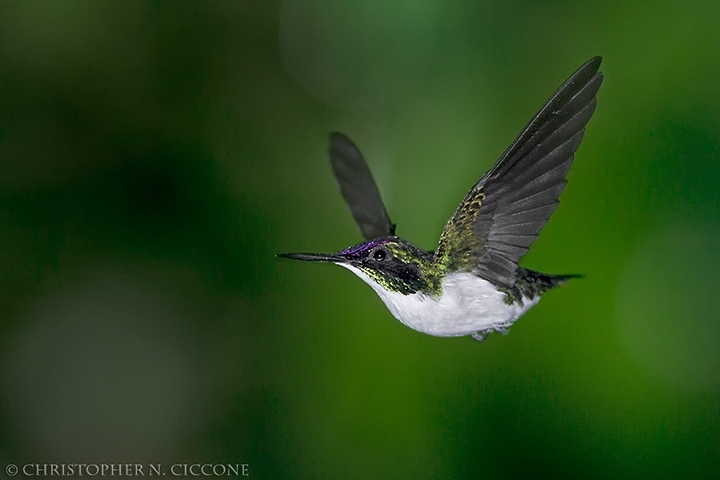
x: 471, y: 284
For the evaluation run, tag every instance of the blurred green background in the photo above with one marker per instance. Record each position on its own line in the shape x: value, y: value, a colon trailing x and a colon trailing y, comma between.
x: 154, y: 156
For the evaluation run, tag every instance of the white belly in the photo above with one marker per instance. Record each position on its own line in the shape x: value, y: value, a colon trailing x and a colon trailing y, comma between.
x: 468, y: 304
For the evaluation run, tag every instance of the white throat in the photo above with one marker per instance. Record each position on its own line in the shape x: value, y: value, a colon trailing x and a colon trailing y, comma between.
x: 468, y: 304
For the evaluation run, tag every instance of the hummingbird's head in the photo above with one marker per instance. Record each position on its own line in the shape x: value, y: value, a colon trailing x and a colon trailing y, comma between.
x: 391, y: 263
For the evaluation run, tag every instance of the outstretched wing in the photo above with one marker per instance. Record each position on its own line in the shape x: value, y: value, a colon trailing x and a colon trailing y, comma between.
x: 504, y: 212
x: 358, y: 188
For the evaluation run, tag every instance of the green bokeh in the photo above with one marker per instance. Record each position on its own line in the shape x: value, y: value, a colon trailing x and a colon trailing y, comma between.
x: 155, y: 156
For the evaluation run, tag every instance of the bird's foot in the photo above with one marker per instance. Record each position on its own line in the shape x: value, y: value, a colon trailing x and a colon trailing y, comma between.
x: 481, y: 335
x: 502, y: 329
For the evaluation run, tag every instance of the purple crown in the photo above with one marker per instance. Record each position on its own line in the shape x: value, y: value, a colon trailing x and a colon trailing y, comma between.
x: 360, y: 250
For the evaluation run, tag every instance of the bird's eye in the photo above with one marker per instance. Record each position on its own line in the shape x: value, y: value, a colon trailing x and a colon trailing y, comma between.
x: 379, y: 255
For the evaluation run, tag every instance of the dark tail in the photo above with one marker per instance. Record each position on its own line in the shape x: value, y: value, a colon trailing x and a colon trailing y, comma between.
x: 537, y: 282
x: 556, y: 280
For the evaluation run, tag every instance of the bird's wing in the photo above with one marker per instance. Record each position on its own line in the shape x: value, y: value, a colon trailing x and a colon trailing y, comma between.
x: 503, y: 214
x: 358, y: 188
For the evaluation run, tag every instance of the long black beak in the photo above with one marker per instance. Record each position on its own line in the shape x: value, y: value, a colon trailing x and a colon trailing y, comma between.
x: 314, y: 257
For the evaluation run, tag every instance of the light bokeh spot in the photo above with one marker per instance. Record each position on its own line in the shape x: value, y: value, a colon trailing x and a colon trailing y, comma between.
x: 92, y: 375
x: 668, y: 308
